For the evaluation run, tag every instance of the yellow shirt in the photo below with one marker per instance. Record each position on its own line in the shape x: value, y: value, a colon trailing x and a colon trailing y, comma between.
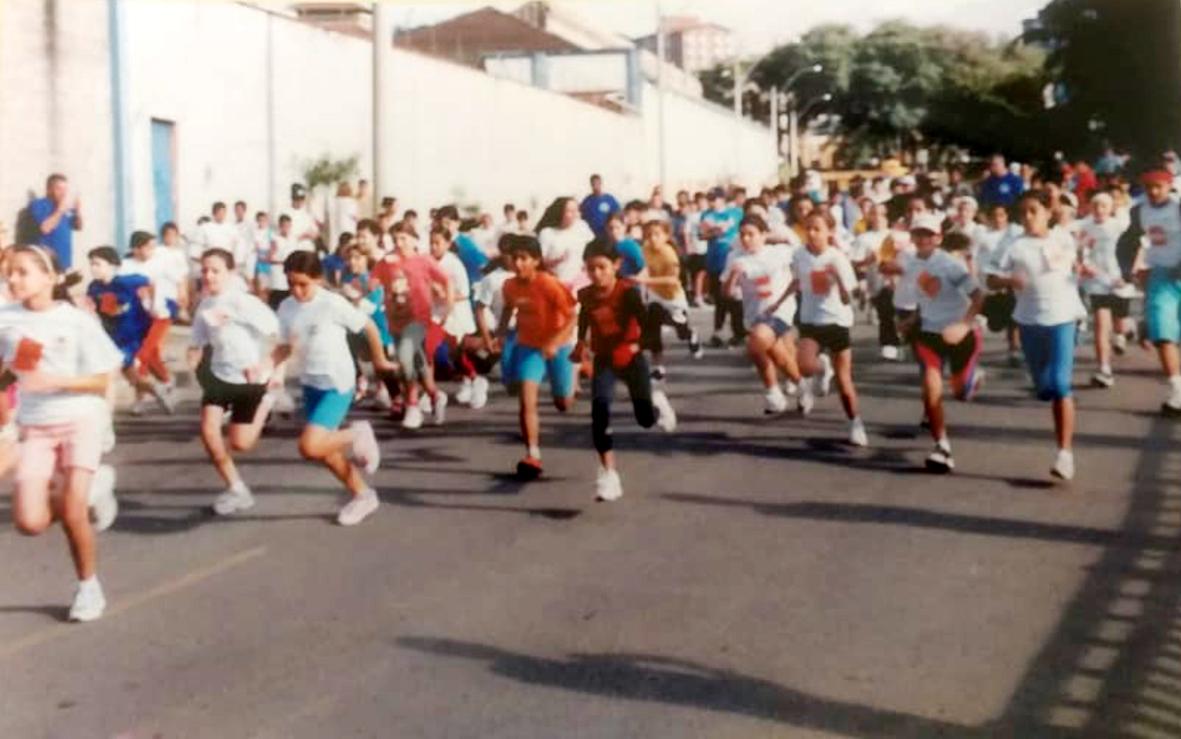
x: 663, y: 262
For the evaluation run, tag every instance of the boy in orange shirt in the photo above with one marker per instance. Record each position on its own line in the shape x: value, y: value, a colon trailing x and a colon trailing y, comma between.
x: 546, y: 317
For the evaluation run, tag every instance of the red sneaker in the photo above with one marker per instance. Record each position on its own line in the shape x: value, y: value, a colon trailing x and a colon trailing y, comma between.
x: 529, y: 468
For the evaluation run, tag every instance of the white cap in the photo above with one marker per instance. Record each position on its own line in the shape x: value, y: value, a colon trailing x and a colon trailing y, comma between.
x: 927, y: 222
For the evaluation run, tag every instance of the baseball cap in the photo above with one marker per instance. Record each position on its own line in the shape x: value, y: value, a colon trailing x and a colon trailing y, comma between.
x: 927, y: 222
x: 298, y: 191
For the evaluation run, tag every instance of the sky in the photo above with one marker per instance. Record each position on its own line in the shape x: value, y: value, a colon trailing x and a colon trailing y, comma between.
x: 762, y: 24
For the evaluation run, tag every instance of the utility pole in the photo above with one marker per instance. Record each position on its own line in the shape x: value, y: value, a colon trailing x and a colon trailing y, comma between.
x: 661, y: 137
x: 775, y: 126
x: 793, y: 137
x: 383, y: 22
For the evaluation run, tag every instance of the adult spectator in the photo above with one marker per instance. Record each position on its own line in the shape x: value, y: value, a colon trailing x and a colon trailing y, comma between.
x: 598, y: 206
x: 1000, y: 187
x: 343, y: 218
x: 957, y: 186
x: 57, y: 219
x: 364, y: 199
x: 304, y: 229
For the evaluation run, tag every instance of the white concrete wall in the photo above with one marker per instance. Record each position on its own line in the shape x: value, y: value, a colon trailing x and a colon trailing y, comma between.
x: 459, y: 134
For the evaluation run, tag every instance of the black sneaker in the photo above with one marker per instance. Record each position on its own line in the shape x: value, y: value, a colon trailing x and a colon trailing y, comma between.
x: 658, y: 374
x: 695, y: 350
x: 940, y: 461
x: 715, y: 342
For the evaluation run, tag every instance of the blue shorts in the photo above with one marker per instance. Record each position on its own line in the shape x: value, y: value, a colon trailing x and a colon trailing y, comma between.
x: 1162, y: 307
x: 527, y: 364
x: 506, y: 358
x: 1049, y: 352
x: 778, y: 326
x: 325, y: 408
x: 129, y: 351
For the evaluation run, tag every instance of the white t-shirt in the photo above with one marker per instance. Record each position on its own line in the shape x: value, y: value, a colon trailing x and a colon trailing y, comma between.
x: 906, y: 295
x: 489, y: 292
x: 165, y: 269
x: 944, y: 286
x: 820, y: 300
x: 224, y: 235
x: 697, y: 245
x: 562, y: 249
x: 62, y: 341
x: 763, y: 277
x: 460, y: 321
x: 992, y: 245
x: 236, y: 324
x: 281, y: 248
x: 318, y: 332
x: 344, y: 218
x: 869, y: 242
x: 1097, y: 243
x: 301, y: 223
x: 1046, y: 264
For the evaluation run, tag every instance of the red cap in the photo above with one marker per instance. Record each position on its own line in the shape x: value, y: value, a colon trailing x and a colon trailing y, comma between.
x: 1157, y: 176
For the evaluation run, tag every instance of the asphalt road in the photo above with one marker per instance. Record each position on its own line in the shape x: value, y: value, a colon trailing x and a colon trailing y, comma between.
x: 759, y: 579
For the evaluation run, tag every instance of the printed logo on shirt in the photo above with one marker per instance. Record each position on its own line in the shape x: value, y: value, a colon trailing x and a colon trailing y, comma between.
x: 929, y: 284
x: 604, y: 207
x: 108, y: 305
x: 1157, y: 236
x: 28, y: 355
x: 763, y: 286
x: 821, y: 283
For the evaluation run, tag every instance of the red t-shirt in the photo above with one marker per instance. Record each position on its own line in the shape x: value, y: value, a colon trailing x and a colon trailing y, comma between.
x: 615, y: 321
x: 407, y: 282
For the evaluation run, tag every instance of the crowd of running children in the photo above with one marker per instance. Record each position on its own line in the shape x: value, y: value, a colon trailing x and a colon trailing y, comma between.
x: 402, y: 304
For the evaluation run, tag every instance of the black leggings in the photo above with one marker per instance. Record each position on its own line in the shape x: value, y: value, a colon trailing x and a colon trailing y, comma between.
x: 639, y: 387
x: 658, y: 317
x: 724, y: 306
x: 883, y: 303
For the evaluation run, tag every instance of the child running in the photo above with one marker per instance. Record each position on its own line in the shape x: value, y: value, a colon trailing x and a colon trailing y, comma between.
x: 166, y: 273
x: 64, y: 362
x: 949, y: 300
x: 236, y: 328
x: 612, y: 317
x: 314, y: 323
x: 1040, y: 269
x: 546, y: 318
x: 824, y: 279
x: 764, y: 273
x: 667, y: 304
x: 1098, y: 237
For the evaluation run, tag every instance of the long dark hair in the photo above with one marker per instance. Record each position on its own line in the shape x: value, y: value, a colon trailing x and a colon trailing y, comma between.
x: 552, y: 217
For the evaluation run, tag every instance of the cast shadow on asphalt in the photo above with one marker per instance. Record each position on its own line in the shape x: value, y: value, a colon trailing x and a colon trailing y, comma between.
x: 676, y: 682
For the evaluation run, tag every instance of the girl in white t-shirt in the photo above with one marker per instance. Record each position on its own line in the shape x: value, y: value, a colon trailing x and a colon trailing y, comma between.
x: 763, y: 272
x: 228, y: 352
x: 563, y: 236
x: 64, y: 363
x: 824, y: 280
x: 1098, y: 237
x: 314, y: 323
x: 1040, y: 268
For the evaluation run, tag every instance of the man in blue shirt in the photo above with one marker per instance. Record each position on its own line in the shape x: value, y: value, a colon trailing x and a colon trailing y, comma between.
x: 56, y: 220
x: 1001, y: 187
x: 597, y: 207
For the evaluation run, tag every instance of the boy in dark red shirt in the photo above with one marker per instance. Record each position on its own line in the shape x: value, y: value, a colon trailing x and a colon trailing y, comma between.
x: 612, y: 316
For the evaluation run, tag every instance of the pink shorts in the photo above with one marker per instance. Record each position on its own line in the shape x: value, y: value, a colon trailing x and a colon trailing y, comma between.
x: 60, y: 446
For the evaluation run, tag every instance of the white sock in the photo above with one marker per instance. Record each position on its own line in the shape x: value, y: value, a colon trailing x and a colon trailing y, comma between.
x: 1105, y: 369
x: 89, y: 582
x: 1175, y: 382
x: 239, y: 487
x: 534, y: 451
x: 944, y: 442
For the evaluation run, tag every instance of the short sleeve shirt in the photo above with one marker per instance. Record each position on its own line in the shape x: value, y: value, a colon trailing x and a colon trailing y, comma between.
x: 820, y: 298
x: 61, y: 238
x: 543, y: 306
x: 236, y: 325
x: 318, y: 332
x: 1050, y: 296
x: 943, y: 286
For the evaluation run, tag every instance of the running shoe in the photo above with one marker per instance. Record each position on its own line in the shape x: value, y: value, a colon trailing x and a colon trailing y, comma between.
x: 529, y: 469
x: 857, y: 435
x: 774, y: 401
x: 358, y: 509
x: 89, y: 601
x: 103, y: 505
x: 412, y: 419
x: 1103, y: 379
x: 464, y: 396
x: 695, y: 349
x: 439, y: 412
x: 365, y: 452
x: 479, y: 393
x: 716, y: 342
x: 970, y: 392
x: 608, y: 486
x: 807, y: 399
x: 658, y: 373
x: 1063, y: 467
x: 939, y: 460
x: 890, y: 353
x: 1119, y: 343
x: 666, y: 417
x: 232, y: 501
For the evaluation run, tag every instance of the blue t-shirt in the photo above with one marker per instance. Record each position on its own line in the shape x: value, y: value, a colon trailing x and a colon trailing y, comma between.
x: 1002, y: 190
x: 375, y: 294
x: 632, y: 256
x: 122, y: 312
x: 596, y: 209
x: 472, y: 256
x: 60, y: 239
x: 719, y: 246
x: 333, y: 266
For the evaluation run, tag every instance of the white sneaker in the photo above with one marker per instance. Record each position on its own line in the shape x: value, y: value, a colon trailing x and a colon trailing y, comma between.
x: 365, y: 452
x: 383, y: 399
x: 857, y: 435
x: 464, y: 396
x: 806, y: 399
x: 139, y: 406
x: 890, y: 353
x: 165, y: 396
x: 440, y: 409
x: 1063, y: 467
x: 826, y: 377
x: 479, y: 393
x: 939, y: 460
x: 790, y: 388
x: 413, y: 417
x: 103, y: 505
x: 424, y: 403
x: 774, y: 401
x: 1119, y: 343
x: 1172, y: 404
x: 608, y: 486
x: 666, y: 417
x: 1103, y: 379
x: 89, y: 601
x: 358, y: 509
x: 232, y: 501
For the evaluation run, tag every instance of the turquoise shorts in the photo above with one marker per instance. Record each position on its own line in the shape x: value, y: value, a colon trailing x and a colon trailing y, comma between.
x: 326, y: 408
x: 527, y: 364
x: 1162, y: 307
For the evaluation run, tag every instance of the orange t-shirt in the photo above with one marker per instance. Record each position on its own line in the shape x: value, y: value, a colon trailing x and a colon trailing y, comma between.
x: 543, y: 307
